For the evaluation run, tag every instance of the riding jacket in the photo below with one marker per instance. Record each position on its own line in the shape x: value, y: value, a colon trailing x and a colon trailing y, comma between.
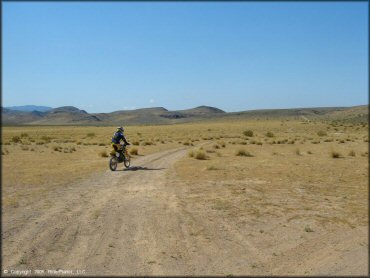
x: 117, y: 137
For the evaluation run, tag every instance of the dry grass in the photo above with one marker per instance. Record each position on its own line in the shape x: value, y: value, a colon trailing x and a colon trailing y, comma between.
x: 73, y: 152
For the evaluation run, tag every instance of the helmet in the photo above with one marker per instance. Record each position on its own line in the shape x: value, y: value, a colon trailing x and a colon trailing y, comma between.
x: 120, y: 129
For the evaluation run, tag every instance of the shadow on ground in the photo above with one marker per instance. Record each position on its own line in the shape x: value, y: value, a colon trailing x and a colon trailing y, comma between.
x: 136, y: 168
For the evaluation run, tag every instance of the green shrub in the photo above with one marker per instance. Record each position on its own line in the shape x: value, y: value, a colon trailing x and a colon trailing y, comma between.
x: 24, y: 135
x: 191, y: 153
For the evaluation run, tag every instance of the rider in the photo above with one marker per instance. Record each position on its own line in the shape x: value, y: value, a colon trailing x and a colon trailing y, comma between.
x: 117, y: 137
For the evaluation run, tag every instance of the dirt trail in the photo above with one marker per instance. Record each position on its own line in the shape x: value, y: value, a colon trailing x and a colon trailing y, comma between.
x: 135, y: 222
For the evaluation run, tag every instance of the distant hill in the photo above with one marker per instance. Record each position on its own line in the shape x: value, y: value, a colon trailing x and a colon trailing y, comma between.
x: 30, y: 108
x: 69, y: 115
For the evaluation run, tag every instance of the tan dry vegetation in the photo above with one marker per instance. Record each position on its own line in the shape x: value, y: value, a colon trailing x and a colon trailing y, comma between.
x: 289, y: 209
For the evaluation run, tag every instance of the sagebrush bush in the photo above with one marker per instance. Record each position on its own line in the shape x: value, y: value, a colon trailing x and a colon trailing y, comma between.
x: 242, y: 152
x: 352, y: 153
x: 57, y: 148
x: 46, y: 138
x: 270, y: 134
x: 134, y: 151
x: 335, y: 154
x: 322, y: 133
x: 90, y: 134
x: 136, y: 143
x: 248, y: 133
x: 200, y: 155
x: 16, y: 139
x: 103, y: 154
x: 191, y: 153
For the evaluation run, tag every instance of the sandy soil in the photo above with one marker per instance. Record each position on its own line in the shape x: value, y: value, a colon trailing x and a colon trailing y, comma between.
x: 147, y: 221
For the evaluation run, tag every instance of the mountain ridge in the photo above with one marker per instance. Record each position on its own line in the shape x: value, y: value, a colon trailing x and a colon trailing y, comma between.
x: 70, y: 115
x: 30, y: 108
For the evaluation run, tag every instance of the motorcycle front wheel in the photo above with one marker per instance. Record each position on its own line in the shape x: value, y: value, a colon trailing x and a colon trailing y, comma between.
x: 113, y: 163
x: 127, y: 161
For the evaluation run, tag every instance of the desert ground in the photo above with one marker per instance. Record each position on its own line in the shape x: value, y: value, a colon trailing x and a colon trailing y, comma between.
x: 233, y: 197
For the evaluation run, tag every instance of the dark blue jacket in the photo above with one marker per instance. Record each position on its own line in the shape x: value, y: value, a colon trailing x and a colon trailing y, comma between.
x: 117, y: 137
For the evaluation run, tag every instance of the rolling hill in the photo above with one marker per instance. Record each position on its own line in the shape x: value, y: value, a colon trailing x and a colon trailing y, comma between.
x: 69, y: 115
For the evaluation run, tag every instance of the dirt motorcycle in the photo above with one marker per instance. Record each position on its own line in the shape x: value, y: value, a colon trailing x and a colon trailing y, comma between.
x: 119, y: 156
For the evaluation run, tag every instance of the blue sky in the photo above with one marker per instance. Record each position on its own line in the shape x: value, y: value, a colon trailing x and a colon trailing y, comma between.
x: 237, y: 56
